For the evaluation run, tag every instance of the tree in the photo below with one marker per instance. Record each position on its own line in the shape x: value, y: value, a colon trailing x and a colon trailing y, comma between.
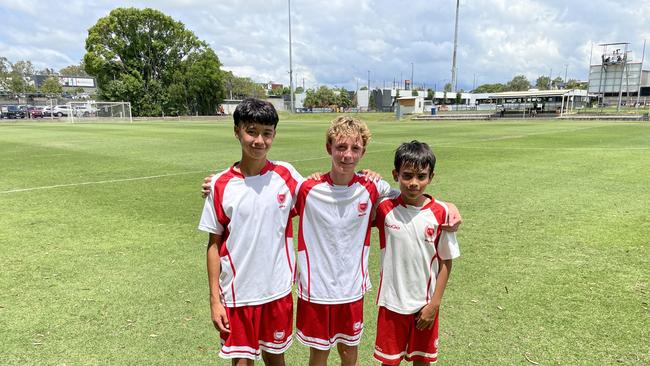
x: 5, y: 67
x: 459, y: 98
x: 575, y: 84
x: 145, y: 57
x: 321, y: 98
x: 239, y: 87
x: 518, y: 83
x: 17, y: 80
x: 543, y: 83
x: 51, y: 85
x: 490, y: 88
x: 299, y: 90
x: 430, y: 94
x: 343, y: 99
x: 557, y: 83
x: 74, y: 70
x: 447, y: 87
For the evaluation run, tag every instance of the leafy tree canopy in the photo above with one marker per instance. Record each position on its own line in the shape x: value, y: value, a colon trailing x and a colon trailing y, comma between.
x: 518, y: 83
x: 51, y: 85
x: 145, y: 57
x: 240, y: 87
x: 74, y: 70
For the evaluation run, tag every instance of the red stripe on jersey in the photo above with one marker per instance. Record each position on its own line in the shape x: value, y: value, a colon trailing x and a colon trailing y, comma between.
x: 440, y: 214
x: 218, y: 190
x: 285, y: 174
x: 383, y: 209
x: 223, y: 252
x: 288, y: 234
x: 306, y: 186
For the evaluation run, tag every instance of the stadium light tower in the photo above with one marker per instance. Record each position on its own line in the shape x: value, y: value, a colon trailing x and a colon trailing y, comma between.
x: 290, y: 62
x: 453, y: 60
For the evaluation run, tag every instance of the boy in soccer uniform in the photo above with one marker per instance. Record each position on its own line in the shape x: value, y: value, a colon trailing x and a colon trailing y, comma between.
x: 250, y: 257
x: 333, y: 246
x: 416, y: 258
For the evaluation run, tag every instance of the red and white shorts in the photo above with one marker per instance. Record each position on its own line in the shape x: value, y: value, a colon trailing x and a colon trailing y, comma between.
x: 265, y: 327
x: 398, y: 338
x: 322, y: 326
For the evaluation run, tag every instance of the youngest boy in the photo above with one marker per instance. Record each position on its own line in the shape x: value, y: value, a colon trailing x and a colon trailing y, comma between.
x: 416, y: 257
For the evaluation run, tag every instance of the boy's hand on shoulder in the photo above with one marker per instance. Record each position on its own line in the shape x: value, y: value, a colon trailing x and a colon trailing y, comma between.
x: 371, y: 175
x: 206, y: 187
x: 454, y: 219
x: 426, y: 316
x: 316, y: 175
x: 220, y: 317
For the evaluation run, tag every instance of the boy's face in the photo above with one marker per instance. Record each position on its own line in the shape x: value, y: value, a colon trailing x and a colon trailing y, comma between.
x: 346, y: 153
x: 255, y: 139
x: 412, y: 183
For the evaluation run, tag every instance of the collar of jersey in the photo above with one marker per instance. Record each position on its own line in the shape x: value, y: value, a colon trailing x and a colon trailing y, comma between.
x: 400, y: 201
x: 327, y: 178
x: 267, y: 167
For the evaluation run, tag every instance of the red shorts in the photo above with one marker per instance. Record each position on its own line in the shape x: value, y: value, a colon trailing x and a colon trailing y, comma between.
x: 398, y: 338
x: 266, y: 327
x: 321, y: 326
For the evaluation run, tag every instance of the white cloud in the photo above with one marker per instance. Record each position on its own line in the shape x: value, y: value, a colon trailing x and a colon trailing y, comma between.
x: 337, y: 42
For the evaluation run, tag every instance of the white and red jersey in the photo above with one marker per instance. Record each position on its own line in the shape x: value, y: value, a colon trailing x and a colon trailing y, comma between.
x: 334, y: 238
x: 252, y: 215
x: 412, y: 244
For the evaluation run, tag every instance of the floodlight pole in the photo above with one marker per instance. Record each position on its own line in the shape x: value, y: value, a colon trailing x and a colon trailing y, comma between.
x: 290, y: 61
x: 453, y: 60
x: 638, y: 91
x: 620, y: 84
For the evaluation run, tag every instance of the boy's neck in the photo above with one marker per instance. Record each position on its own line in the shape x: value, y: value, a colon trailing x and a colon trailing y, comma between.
x: 250, y: 167
x: 341, y: 179
x: 417, y: 202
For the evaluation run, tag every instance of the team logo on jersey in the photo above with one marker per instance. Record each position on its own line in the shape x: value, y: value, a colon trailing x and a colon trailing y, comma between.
x: 429, y: 234
x: 362, y: 207
x: 357, y: 326
x: 278, y: 335
x: 282, y: 197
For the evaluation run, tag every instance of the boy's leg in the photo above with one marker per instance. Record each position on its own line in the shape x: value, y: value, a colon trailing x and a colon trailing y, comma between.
x: 271, y: 359
x: 393, y: 332
x: 423, y: 345
x: 318, y: 357
x: 242, y: 362
x: 349, y: 354
x: 276, y: 328
x: 421, y: 363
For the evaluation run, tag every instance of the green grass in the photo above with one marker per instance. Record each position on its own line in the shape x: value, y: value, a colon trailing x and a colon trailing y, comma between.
x: 554, y: 266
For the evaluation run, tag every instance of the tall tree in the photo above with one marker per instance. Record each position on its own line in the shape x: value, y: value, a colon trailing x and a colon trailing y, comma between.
x: 543, y: 82
x: 241, y: 87
x: 74, y: 70
x: 51, y: 85
x: 145, y: 57
x: 5, y: 69
x: 490, y: 88
x: 518, y: 83
x: 343, y: 99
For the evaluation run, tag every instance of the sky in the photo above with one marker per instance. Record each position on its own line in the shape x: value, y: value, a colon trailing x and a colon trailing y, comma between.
x: 350, y: 43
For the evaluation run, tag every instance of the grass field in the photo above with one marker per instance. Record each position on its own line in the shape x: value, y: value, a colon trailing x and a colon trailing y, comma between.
x: 102, y: 263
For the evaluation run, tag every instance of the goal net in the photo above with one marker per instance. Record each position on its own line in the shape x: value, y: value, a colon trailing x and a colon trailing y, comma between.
x: 91, y: 111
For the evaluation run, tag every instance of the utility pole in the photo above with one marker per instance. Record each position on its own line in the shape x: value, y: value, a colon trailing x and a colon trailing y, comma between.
x: 566, y: 68
x: 453, y: 60
x: 412, y: 83
x: 290, y: 62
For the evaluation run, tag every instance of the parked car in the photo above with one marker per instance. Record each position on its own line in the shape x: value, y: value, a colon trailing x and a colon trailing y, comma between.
x: 13, y: 112
x: 84, y: 111
x: 61, y: 110
x: 47, y: 111
x: 35, y: 112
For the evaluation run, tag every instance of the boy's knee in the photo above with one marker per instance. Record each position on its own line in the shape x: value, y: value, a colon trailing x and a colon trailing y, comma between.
x: 271, y: 359
x: 348, y: 354
x: 242, y: 362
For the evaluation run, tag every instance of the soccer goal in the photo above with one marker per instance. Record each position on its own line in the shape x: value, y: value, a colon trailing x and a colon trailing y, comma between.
x: 91, y: 111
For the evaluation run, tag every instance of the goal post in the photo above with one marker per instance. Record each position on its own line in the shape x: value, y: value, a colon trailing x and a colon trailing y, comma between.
x: 107, y: 112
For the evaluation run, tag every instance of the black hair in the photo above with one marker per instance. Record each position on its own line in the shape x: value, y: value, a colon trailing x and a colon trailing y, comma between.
x: 252, y: 110
x: 416, y: 154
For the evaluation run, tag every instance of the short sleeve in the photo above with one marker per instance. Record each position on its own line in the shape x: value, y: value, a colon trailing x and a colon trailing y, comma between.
x: 448, y: 246
x: 209, y: 222
x: 385, y: 190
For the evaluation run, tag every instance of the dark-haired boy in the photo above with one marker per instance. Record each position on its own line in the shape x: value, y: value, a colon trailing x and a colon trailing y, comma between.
x: 416, y: 258
x: 250, y: 257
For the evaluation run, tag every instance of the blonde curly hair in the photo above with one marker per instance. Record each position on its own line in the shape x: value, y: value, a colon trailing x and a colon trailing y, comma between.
x: 346, y: 126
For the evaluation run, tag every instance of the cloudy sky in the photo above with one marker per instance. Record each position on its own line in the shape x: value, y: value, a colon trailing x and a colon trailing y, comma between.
x: 337, y: 42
